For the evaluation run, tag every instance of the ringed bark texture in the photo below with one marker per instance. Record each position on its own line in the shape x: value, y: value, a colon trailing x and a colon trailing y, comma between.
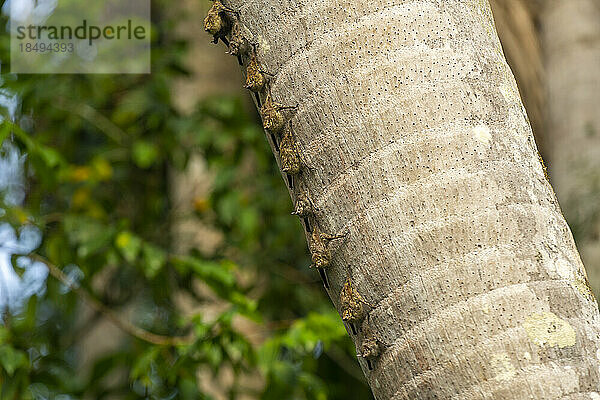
x: 420, y: 148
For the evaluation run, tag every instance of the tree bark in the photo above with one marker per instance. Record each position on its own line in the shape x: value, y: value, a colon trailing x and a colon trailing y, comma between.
x: 419, y: 147
x: 570, y: 32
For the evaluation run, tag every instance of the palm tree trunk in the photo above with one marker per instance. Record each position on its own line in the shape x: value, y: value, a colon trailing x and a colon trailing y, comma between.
x: 570, y: 32
x: 420, y: 148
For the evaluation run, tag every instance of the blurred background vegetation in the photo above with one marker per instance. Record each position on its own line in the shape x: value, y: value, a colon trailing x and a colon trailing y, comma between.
x: 164, y: 210
x: 146, y: 236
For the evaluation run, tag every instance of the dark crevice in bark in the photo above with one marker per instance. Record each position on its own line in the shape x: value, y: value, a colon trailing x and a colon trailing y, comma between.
x: 275, y: 144
x: 257, y: 97
x: 323, y: 277
x: 306, y: 224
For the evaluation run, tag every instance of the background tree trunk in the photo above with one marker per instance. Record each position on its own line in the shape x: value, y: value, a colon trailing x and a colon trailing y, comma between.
x: 213, y: 76
x: 570, y: 32
x: 420, y: 147
x: 516, y: 25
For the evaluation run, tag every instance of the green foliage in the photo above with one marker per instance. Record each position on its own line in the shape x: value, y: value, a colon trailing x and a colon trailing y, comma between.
x: 288, y: 358
x: 12, y: 359
x: 100, y: 150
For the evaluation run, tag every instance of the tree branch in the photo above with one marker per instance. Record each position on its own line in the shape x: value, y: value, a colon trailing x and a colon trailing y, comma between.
x: 121, y: 323
x: 93, y: 116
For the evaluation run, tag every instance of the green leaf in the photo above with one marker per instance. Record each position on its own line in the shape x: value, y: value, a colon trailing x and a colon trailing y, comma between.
x: 303, y: 336
x: 129, y: 245
x: 154, y: 259
x: 4, y: 131
x: 246, y: 306
x: 189, y: 389
x: 213, y: 354
x: 144, y: 154
x: 142, y: 364
x: 208, y: 271
x: 50, y: 156
x: 12, y: 359
x: 89, y: 234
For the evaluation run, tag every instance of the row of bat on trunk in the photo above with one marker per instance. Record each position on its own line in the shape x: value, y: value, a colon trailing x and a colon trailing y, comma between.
x: 223, y: 23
